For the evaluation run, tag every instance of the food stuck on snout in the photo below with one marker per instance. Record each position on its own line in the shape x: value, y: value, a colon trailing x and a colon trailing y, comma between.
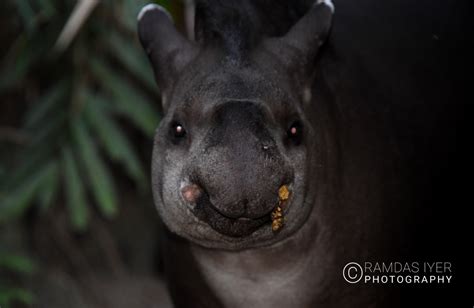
x: 277, y: 214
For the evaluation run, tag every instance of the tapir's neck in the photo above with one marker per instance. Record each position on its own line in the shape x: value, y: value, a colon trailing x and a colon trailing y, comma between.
x: 282, y: 275
x: 277, y: 260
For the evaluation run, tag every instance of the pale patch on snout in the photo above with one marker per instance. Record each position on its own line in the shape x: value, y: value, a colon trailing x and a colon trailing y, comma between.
x: 191, y: 193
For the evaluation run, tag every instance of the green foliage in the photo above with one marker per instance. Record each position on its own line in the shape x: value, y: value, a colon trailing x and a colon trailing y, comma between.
x: 75, y: 197
x: 17, y: 265
x: 10, y: 295
x: 81, y: 105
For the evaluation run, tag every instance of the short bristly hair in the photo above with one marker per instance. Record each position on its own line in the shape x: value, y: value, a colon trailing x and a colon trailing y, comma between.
x: 237, y: 26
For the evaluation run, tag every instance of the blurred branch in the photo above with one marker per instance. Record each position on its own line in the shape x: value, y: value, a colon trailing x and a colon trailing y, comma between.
x: 109, y: 248
x: 189, y: 11
x: 81, y: 12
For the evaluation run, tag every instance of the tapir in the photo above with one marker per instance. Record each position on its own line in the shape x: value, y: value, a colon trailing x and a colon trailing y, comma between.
x: 254, y: 105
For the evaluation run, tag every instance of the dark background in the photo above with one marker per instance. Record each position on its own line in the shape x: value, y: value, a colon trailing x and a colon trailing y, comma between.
x: 414, y: 60
x: 422, y: 52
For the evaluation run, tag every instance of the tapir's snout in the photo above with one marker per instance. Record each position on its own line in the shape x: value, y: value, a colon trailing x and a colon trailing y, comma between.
x: 234, y: 180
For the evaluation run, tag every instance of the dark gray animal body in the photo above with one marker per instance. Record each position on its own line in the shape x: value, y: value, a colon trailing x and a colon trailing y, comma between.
x: 248, y: 108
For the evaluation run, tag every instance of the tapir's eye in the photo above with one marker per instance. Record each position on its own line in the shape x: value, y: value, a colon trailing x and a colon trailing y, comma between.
x: 177, y: 130
x: 295, y: 132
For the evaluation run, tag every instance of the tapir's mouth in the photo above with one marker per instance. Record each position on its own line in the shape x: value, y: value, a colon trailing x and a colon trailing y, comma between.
x: 234, y: 227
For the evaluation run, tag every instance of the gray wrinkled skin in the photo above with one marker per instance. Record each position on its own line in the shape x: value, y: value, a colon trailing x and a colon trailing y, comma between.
x: 236, y: 99
x: 171, y: 163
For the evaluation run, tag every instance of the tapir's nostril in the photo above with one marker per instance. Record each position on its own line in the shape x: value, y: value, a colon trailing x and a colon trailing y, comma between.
x: 191, y: 193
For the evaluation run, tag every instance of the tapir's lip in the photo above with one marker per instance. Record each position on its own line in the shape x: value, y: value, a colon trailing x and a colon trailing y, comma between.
x: 241, y: 219
x: 233, y: 227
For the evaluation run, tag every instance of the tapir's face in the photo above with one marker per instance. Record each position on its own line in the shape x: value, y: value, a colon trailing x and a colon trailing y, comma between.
x: 231, y: 137
x: 234, y: 131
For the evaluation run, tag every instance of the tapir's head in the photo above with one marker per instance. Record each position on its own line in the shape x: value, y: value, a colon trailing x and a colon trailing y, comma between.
x: 234, y: 129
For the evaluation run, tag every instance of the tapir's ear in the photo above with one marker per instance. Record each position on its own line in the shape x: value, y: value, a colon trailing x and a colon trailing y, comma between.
x: 299, y: 47
x: 166, y: 48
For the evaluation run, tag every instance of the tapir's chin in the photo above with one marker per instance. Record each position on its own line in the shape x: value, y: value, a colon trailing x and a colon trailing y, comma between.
x: 233, y: 227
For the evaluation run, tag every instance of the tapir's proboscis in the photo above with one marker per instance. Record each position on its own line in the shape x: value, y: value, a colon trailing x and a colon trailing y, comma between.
x: 268, y: 177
